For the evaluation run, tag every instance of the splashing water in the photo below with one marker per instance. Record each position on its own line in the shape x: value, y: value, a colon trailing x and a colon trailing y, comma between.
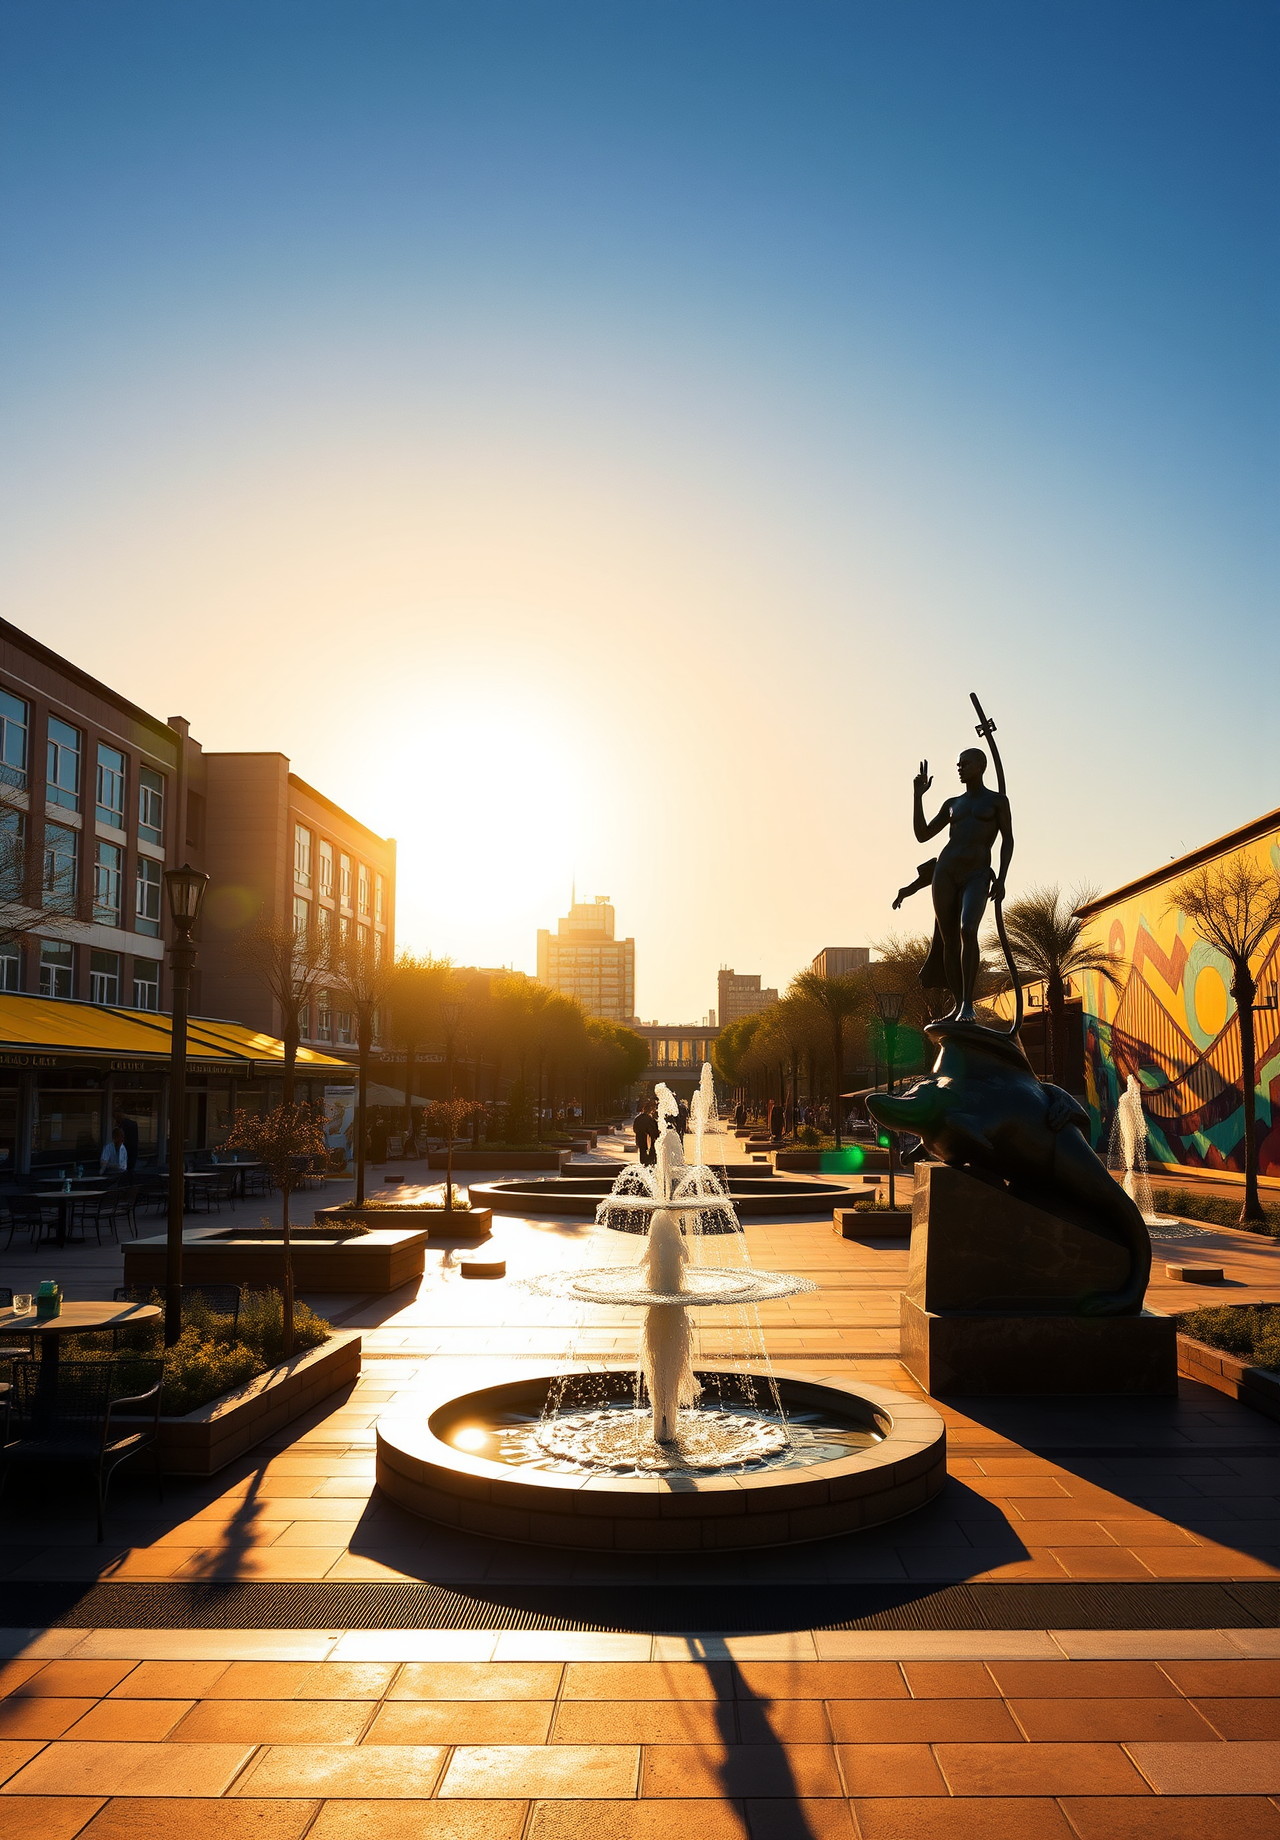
x: 1128, y: 1151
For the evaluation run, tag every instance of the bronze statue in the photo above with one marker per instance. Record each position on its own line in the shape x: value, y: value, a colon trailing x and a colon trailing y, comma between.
x: 961, y: 877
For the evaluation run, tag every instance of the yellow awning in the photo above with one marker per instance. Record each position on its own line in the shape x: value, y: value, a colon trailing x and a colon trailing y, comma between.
x: 47, y: 1025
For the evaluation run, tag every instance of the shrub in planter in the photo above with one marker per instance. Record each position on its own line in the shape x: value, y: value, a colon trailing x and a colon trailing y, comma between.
x: 209, y: 1358
x: 1218, y: 1210
x: 1249, y: 1331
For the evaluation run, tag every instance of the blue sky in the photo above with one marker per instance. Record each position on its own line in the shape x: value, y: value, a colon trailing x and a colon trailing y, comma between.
x: 591, y: 437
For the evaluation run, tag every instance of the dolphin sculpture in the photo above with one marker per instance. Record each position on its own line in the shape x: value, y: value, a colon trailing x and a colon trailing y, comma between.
x: 984, y: 1109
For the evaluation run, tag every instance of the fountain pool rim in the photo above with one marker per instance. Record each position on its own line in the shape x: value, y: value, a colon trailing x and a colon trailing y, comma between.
x: 600, y: 1511
x: 581, y: 1195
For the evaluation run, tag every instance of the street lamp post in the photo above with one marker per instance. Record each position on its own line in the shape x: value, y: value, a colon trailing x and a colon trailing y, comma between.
x: 185, y: 888
x: 889, y: 1003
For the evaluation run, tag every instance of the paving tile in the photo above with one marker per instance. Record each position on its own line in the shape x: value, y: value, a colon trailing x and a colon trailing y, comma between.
x: 463, y: 1721
x: 648, y: 1680
x: 1240, y: 1718
x: 1147, y: 1644
x: 1116, y: 1562
x: 1222, y: 1679
x: 297, y: 1563
x: 1012, y: 1818
x: 169, y: 1680
x: 321, y: 1680
x: 48, y: 1817
x: 590, y: 1771
x: 419, y: 1820
x: 765, y: 1770
x: 783, y: 1721
x: 416, y: 1645
x: 274, y: 1721
x: 591, y: 1820
x: 130, y: 1769
x: 770, y: 1680
x: 14, y: 1673
x: 1202, y: 1562
x: 1080, y: 1679
x: 205, y: 1645
x: 464, y: 1680
x: 126, y: 1818
x: 920, y: 1721
x: 647, y: 1721
x: 890, y: 1769
x: 903, y: 1645
x: 40, y: 1718
x: 1168, y: 1817
x: 798, y: 1820
x: 365, y: 1771
x: 1057, y: 1721
x: 1209, y: 1769
x: 949, y: 1680
x: 143, y: 1721
x: 1038, y: 1769
x: 75, y: 1679
x: 564, y: 1645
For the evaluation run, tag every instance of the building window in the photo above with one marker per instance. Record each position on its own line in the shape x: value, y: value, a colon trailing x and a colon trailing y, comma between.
x: 61, y: 864
x: 344, y: 880
x: 13, y: 852
x: 301, y: 916
x: 346, y: 1035
x: 379, y: 910
x: 302, y: 855
x: 326, y: 870
x: 146, y: 983
x: 344, y: 931
x: 110, y: 792
x: 13, y: 741
x: 363, y: 883
x: 324, y: 927
x: 63, y: 775
x: 362, y: 941
x: 324, y: 1018
x: 10, y: 966
x: 108, y: 884
x: 151, y: 806
x: 57, y: 967
x: 104, y: 977
x: 147, y: 917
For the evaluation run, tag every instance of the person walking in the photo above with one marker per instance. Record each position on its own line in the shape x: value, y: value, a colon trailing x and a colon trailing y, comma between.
x: 646, y: 1132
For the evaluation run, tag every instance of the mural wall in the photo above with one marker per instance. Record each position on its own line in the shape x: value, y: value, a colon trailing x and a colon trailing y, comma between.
x: 1174, y: 1025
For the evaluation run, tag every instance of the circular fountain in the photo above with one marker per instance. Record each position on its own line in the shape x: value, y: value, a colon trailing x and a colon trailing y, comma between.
x: 675, y: 1452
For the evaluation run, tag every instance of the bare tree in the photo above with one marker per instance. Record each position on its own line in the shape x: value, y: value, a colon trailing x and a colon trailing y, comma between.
x: 293, y: 964
x: 446, y: 1117
x: 1235, y: 904
x: 285, y: 1139
x: 59, y: 899
x: 416, y: 989
x: 362, y: 976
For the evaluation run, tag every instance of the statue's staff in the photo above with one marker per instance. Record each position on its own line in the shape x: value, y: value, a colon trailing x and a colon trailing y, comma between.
x: 987, y: 731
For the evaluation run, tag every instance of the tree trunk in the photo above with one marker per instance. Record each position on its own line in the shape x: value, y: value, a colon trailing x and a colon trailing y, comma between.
x: 286, y: 1297
x: 1244, y: 990
x: 538, y: 1100
x: 364, y: 1043
x: 409, y: 1053
x: 448, y: 1174
x: 1055, y: 1026
x: 837, y: 1079
x: 291, y: 1034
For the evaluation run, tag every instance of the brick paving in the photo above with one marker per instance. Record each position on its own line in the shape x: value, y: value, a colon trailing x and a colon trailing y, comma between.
x: 476, y: 1735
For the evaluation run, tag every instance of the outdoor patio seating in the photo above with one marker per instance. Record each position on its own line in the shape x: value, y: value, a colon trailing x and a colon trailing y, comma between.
x: 28, y: 1214
x: 13, y: 1347
x: 74, y: 1417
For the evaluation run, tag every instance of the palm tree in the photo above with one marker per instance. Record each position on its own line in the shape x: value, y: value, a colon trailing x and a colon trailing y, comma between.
x: 839, y: 999
x: 293, y: 964
x: 1236, y: 905
x: 1046, y: 937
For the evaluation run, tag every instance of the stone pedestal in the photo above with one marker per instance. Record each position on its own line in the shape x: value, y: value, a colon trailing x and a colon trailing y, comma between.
x: 998, y: 1293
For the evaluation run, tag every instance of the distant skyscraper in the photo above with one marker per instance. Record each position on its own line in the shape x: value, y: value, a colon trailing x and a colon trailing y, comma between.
x: 741, y: 995
x: 582, y: 959
x: 835, y: 961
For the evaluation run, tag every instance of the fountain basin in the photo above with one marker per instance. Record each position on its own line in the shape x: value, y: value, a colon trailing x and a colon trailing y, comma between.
x: 581, y: 1195
x: 899, y: 1464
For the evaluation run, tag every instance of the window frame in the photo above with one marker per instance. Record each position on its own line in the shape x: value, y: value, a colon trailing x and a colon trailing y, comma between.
x: 148, y: 874
x: 59, y: 964
x: 148, y: 832
x: 55, y: 792
x: 14, y: 773
x: 302, y: 855
x: 104, y: 875
x: 98, y: 976
x: 47, y: 885
x: 111, y: 815
x: 146, y: 984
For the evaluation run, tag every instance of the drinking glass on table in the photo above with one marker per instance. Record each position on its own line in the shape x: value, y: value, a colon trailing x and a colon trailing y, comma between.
x: 22, y: 1303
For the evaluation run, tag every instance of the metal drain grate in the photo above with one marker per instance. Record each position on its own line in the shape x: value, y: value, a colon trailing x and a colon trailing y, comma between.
x: 741, y: 1609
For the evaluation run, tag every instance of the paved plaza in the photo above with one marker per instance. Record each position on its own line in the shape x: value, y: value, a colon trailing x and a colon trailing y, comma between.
x: 549, y: 1707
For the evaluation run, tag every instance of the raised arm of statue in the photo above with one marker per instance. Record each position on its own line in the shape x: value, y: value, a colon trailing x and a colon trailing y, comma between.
x: 924, y: 829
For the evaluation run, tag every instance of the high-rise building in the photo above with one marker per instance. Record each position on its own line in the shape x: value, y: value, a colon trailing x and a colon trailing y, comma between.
x: 836, y: 961
x: 741, y: 995
x: 582, y: 959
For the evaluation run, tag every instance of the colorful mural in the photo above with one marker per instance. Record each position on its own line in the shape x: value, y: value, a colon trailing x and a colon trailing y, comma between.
x: 1174, y: 1023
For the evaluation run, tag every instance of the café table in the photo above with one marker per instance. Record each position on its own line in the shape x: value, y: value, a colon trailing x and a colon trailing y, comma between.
x: 83, y: 1191
x: 74, y: 1319
x: 193, y: 1179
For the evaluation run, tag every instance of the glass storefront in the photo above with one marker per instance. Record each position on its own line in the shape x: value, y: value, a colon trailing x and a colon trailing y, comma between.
x: 8, y: 1129
x: 67, y: 1120
x: 141, y: 1103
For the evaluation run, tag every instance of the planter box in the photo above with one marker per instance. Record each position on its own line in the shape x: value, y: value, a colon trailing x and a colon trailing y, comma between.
x: 460, y: 1223
x: 378, y: 1262
x: 206, y: 1440
x: 551, y: 1158
x: 1226, y: 1373
x: 868, y: 1223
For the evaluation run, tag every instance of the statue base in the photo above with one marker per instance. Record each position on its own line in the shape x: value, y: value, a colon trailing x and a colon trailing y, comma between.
x: 1001, y: 1297
x: 963, y: 1354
